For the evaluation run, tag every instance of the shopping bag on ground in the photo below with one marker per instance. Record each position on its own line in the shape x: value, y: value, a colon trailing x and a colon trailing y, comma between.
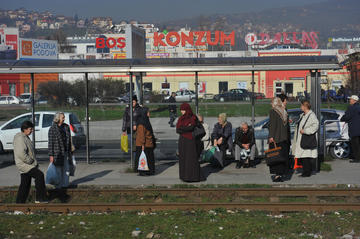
x: 72, y: 166
x: 208, y: 155
x: 124, y: 143
x: 219, y: 157
x: 52, y: 176
x: 143, y: 164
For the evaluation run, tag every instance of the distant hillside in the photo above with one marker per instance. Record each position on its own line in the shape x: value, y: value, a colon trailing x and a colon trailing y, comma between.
x: 332, y: 18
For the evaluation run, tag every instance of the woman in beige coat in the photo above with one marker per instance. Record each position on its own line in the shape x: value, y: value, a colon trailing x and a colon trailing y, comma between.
x: 308, y: 124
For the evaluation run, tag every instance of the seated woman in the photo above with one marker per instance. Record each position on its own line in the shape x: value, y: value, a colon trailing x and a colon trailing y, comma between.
x: 222, y: 135
x: 245, y: 147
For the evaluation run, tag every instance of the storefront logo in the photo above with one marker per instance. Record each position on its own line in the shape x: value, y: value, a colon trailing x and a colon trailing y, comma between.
x: 308, y: 39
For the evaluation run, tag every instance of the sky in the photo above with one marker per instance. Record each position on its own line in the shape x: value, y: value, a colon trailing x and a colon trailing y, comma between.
x: 149, y: 10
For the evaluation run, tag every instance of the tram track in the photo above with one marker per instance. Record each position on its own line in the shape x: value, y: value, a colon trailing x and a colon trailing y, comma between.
x: 313, y: 199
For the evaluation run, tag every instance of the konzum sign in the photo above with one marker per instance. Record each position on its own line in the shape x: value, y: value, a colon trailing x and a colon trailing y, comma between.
x: 200, y: 38
x: 110, y: 42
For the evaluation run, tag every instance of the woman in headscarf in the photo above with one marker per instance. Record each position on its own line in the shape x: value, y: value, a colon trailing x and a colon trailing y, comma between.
x: 189, y: 167
x: 279, y: 134
x: 145, y: 141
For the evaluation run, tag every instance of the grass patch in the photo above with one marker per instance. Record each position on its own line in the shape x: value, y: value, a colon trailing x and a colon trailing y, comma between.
x: 180, y: 224
x: 325, y: 167
x: 115, y: 112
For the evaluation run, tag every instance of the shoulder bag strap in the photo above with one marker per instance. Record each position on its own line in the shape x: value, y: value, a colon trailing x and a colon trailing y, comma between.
x: 306, y: 120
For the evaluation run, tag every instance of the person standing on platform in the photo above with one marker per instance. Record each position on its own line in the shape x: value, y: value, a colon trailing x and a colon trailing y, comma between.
x: 145, y: 141
x: 352, y: 117
x: 307, y: 125
x: 126, y: 130
x: 279, y: 135
x: 189, y: 166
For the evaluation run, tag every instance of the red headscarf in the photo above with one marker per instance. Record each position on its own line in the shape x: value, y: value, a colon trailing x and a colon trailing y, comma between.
x: 186, y: 119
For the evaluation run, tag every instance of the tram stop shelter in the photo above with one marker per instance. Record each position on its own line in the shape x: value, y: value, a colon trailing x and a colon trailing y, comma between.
x: 139, y: 67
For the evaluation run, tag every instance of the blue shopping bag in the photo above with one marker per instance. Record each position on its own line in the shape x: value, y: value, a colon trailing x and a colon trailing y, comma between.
x: 52, y: 176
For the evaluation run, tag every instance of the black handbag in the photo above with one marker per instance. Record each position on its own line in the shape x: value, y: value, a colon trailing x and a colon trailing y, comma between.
x: 308, y: 141
x: 199, y: 131
x: 273, y: 156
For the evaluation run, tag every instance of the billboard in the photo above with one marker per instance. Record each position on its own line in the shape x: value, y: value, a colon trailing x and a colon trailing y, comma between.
x: 135, y: 42
x: 38, y: 49
x: 9, y: 37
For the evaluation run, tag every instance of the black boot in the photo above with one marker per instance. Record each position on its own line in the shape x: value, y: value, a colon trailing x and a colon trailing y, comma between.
x: 238, y: 164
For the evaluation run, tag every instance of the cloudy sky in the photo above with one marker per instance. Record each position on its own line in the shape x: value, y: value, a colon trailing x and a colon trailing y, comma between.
x: 149, y: 10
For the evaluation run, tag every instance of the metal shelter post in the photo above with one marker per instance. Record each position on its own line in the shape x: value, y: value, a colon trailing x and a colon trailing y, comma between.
x: 315, y: 101
x: 252, y: 99
x: 132, y: 163
x: 197, y: 92
x: 87, y: 118
x: 33, y: 107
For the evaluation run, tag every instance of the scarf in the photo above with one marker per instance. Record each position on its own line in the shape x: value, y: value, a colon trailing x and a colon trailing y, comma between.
x: 279, y: 108
x: 186, y: 119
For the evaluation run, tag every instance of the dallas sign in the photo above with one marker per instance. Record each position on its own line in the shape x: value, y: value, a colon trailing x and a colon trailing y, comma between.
x: 308, y: 39
x: 197, y: 38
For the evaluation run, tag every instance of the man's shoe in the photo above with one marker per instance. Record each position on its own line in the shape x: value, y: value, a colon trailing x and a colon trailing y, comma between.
x: 172, y: 125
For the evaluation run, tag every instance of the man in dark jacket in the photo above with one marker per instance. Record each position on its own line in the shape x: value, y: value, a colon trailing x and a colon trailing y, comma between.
x: 245, y: 146
x: 127, y: 124
x: 126, y: 117
x: 172, y: 109
x: 352, y: 117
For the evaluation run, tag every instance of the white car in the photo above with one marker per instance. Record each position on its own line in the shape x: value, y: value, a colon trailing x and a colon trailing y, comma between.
x: 25, y: 98
x: 183, y: 96
x: 6, y: 100
x: 43, y: 121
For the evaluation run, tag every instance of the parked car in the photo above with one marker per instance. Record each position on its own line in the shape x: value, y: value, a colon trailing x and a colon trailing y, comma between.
x: 25, y: 98
x: 183, y: 96
x: 107, y: 99
x: 7, y: 100
x: 233, y: 95
x: 335, y: 131
x: 43, y: 121
x: 259, y: 96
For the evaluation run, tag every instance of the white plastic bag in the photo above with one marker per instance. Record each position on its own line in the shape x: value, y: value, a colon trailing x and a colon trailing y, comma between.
x: 143, y: 165
x: 52, y: 176
x: 72, y: 166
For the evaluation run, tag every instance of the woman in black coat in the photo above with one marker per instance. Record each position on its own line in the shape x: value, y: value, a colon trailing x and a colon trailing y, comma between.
x: 279, y: 134
x: 189, y: 166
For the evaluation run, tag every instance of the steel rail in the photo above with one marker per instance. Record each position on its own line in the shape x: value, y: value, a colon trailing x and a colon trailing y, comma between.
x: 111, y: 207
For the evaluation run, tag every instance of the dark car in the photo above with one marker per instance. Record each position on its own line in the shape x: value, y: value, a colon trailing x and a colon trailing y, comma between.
x: 233, y: 95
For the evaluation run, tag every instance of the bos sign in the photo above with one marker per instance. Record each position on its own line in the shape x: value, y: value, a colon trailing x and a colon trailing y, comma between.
x: 38, y: 49
x: 308, y: 39
x: 197, y: 38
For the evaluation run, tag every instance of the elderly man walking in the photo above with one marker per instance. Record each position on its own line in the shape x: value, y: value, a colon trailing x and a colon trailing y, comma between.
x: 352, y: 117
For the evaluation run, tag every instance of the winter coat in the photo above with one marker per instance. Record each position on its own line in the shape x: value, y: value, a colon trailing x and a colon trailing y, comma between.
x: 126, y: 118
x: 311, y: 127
x: 58, y: 146
x: 239, y: 136
x: 24, y: 153
x: 224, y: 132
x: 352, y: 117
x: 277, y: 129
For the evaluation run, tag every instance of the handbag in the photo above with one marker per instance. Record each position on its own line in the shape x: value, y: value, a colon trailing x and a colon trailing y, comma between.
x: 219, y: 157
x: 308, y: 141
x: 199, y: 131
x: 208, y: 155
x: 273, y: 156
x: 143, y: 165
